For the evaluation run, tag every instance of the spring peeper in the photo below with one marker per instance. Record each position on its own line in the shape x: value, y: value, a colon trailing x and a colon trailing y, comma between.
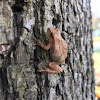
x: 58, y: 50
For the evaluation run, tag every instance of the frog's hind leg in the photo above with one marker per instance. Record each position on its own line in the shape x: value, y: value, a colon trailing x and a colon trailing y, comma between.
x: 54, y: 68
x: 47, y: 70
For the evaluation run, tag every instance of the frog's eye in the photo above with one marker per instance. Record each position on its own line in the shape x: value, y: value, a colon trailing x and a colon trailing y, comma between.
x: 51, y: 34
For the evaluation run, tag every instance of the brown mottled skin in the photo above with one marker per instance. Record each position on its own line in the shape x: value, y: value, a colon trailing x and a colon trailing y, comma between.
x: 58, y: 50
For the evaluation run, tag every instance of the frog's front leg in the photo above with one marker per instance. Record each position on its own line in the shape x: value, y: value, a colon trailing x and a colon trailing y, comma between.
x: 53, y: 68
x: 46, y: 47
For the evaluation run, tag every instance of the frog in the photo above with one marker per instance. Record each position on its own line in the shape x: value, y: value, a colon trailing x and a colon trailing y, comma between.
x: 58, y: 49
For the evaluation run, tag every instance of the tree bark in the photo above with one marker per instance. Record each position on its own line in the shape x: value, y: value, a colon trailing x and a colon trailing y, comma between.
x: 19, y: 79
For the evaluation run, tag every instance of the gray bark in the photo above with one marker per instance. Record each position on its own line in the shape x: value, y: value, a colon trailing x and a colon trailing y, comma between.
x: 19, y: 79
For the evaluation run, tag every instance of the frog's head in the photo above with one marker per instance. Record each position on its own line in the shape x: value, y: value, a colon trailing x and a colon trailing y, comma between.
x: 53, y: 32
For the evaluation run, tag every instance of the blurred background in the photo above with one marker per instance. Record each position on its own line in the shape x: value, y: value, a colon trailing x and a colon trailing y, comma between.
x: 95, y: 7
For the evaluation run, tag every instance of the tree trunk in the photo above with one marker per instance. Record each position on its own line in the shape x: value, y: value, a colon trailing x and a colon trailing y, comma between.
x: 19, y: 62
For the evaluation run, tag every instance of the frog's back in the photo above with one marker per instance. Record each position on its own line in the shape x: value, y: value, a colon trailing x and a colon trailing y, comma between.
x: 58, y: 51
